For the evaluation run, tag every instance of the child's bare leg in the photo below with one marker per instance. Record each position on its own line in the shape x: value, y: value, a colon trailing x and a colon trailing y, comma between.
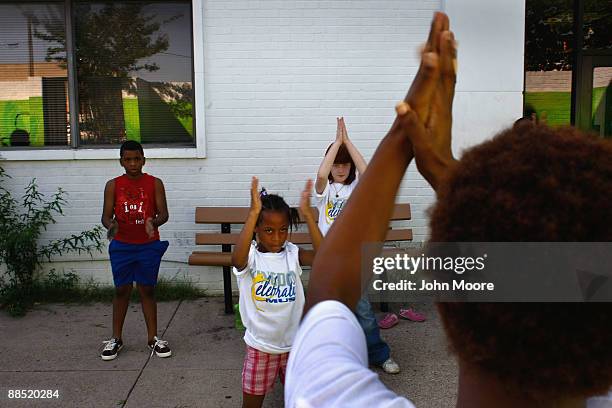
x: 149, y: 309
x: 252, y: 401
x: 121, y: 302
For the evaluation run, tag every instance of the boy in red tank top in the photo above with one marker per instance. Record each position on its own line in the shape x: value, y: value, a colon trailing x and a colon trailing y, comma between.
x: 134, y: 207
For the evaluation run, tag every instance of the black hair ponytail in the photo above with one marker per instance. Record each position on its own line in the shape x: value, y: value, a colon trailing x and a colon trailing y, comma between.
x: 273, y: 202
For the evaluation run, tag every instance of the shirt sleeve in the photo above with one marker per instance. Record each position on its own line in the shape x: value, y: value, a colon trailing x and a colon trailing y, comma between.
x: 319, y: 198
x: 249, y: 264
x: 294, y: 252
x: 328, y: 364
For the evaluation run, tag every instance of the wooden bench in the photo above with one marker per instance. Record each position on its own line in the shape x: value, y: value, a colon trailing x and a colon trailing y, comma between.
x: 226, y: 216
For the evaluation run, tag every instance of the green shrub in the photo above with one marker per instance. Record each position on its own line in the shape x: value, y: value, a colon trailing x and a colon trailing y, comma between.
x: 21, y: 225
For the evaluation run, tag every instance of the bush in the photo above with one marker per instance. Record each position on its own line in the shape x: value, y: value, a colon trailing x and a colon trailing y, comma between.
x: 21, y: 224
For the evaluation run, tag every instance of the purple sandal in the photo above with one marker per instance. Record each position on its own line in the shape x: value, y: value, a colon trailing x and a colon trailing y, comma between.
x: 410, y: 314
x: 388, y: 321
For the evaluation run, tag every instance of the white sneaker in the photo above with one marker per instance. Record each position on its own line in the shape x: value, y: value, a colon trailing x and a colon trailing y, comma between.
x: 160, y: 347
x: 390, y: 366
x: 112, y: 347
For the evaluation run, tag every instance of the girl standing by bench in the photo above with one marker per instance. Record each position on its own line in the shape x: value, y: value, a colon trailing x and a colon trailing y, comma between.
x: 336, y: 179
x: 271, y: 292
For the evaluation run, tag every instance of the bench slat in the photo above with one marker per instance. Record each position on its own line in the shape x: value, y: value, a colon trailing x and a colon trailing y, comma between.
x: 401, y: 212
x: 203, y: 258
x: 204, y: 238
x: 229, y: 215
x: 237, y: 215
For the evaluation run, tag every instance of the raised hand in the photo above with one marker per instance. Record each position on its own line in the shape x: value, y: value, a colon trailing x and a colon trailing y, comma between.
x: 424, y: 86
x: 305, y: 198
x: 339, y: 135
x: 255, y: 197
x: 240, y: 253
x: 309, y: 217
x: 345, y: 138
x: 431, y: 98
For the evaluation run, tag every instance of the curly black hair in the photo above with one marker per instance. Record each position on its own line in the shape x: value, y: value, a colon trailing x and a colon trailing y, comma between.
x: 532, y: 184
x: 273, y: 202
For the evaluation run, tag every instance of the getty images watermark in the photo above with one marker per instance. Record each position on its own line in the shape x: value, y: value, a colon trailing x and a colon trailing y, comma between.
x: 412, y: 264
x: 490, y: 272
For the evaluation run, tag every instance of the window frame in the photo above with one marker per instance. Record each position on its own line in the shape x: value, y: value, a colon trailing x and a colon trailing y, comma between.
x: 581, y: 63
x: 97, y: 152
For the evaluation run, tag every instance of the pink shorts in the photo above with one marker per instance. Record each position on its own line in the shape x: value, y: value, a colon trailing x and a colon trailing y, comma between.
x: 261, y: 369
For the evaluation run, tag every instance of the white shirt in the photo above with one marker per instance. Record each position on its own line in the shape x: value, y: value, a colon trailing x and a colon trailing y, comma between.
x: 331, y: 201
x: 271, y: 298
x: 328, y: 364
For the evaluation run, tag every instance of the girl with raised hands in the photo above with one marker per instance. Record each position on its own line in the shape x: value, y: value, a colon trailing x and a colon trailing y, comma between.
x: 336, y: 179
x: 271, y: 292
x: 337, y: 176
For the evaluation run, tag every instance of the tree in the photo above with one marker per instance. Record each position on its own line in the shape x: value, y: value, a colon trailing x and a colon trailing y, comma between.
x: 549, y: 35
x: 598, y: 24
x: 113, y: 41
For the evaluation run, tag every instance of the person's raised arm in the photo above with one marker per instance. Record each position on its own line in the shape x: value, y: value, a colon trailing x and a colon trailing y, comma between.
x: 162, y: 209
x: 432, y: 148
x: 336, y: 271
x: 240, y: 254
x: 360, y: 162
x: 328, y: 160
x: 306, y: 257
x: 108, y: 210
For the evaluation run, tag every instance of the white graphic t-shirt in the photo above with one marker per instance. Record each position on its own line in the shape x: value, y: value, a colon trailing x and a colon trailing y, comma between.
x: 271, y: 298
x: 331, y: 202
x: 328, y: 365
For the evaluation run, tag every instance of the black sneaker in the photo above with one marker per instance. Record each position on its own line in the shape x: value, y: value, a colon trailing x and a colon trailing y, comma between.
x: 160, y: 347
x: 111, y: 349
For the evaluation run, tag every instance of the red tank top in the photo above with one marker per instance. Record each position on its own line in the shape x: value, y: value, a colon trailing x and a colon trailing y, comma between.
x: 134, y: 203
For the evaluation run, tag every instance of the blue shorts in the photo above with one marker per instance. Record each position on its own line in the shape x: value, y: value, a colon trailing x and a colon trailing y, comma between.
x: 136, y: 262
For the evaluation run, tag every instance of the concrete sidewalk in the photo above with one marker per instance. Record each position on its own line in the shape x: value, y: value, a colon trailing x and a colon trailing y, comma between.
x: 57, y: 347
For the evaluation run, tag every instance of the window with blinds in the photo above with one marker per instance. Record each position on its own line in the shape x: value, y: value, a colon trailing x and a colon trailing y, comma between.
x: 132, y: 71
x: 33, y: 86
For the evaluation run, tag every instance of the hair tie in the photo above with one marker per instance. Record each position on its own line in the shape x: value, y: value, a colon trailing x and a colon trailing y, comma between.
x: 263, y: 192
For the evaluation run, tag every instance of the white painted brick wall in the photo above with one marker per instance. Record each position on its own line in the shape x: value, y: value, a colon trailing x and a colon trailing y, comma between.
x: 277, y: 74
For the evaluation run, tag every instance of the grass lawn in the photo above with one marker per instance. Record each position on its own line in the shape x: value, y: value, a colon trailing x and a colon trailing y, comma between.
x: 31, y: 119
x: 558, y: 104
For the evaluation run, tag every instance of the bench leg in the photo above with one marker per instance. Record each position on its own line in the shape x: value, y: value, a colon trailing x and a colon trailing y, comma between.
x: 227, y: 273
x: 227, y: 290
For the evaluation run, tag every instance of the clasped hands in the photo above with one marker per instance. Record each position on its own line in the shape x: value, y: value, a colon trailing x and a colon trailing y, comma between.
x: 425, y: 114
